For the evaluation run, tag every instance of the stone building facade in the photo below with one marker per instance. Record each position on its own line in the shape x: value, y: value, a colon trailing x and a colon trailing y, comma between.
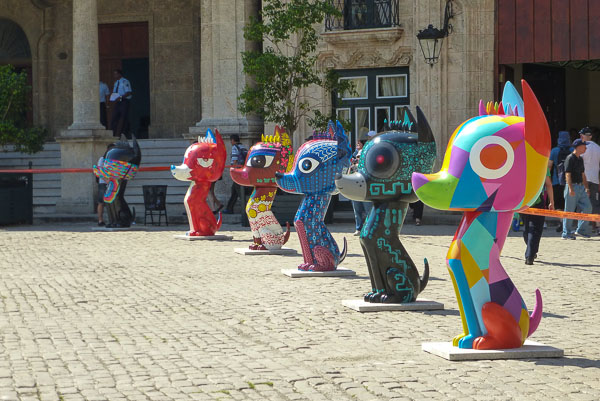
x: 194, y: 70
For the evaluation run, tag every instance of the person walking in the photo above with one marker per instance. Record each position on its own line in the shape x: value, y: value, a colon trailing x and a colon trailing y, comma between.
x: 121, y: 97
x: 558, y: 154
x: 591, y: 163
x: 577, y: 191
x: 104, y: 94
x: 361, y: 209
x: 533, y: 226
x: 238, y: 157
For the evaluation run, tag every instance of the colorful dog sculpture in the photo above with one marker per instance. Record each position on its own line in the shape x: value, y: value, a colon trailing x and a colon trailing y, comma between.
x: 316, y: 164
x: 121, y: 163
x: 384, y: 171
x: 495, y: 164
x: 272, y: 155
x: 203, y: 164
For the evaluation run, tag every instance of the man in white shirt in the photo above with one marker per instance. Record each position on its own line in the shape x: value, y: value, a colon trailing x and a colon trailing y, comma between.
x: 104, y: 94
x: 591, y: 162
x: 121, y: 96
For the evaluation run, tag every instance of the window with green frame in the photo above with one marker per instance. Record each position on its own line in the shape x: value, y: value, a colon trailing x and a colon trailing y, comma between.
x: 379, y: 94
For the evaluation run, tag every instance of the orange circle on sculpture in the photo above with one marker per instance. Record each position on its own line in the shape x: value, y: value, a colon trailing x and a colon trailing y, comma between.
x: 493, y: 157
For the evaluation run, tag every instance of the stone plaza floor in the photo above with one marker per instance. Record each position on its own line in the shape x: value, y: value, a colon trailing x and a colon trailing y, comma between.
x: 140, y: 315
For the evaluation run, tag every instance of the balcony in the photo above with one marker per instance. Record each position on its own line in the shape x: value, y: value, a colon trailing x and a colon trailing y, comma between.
x: 363, y: 14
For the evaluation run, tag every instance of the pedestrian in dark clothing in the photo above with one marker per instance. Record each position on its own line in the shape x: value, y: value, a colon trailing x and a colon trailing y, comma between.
x: 417, y: 208
x: 558, y: 155
x: 361, y: 209
x: 121, y: 97
x: 104, y: 94
x: 533, y: 226
x: 238, y: 157
x: 577, y: 191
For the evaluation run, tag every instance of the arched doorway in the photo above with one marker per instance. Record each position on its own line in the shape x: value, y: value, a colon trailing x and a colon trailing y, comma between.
x: 15, y: 50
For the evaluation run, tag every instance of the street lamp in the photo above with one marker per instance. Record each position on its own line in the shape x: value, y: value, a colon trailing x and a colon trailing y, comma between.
x: 431, y: 38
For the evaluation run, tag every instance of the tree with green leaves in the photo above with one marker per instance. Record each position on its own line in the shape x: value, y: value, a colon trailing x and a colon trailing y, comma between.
x: 14, y: 104
x: 287, y: 63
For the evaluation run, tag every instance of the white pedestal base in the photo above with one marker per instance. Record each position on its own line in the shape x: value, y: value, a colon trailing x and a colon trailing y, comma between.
x: 529, y: 350
x: 340, y: 272
x: 281, y: 251
x: 203, y: 238
x: 419, y: 305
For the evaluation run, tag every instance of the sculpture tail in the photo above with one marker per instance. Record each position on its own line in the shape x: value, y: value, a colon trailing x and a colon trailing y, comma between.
x: 287, y: 233
x: 132, y: 214
x: 219, y: 221
x: 344, y: 251
x: 425, y: 278
x: 536, y: 315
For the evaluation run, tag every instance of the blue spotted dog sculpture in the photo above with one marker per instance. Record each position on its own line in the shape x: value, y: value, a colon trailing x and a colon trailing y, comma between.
x: 316, y: 164
x: 384, y: 177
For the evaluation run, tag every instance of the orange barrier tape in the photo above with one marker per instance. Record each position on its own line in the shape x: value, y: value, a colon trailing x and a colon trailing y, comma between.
x: 79, y: 170
x: 561, y: 215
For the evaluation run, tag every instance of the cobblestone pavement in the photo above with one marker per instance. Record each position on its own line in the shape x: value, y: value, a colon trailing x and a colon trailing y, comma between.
x: 141, y: 316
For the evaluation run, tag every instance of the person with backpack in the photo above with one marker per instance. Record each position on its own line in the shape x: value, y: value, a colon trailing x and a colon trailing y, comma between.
x: 558, y: 155
x: 577, y: 191
x: 238, y: 158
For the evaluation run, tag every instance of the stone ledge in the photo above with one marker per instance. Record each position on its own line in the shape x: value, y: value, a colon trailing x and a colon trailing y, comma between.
x: 363, y: 36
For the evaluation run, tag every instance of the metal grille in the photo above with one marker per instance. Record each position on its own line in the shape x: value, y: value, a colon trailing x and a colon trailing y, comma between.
x: 363, y: 14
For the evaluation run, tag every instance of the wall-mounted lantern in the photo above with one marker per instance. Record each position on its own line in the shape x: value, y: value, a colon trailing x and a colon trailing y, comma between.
x: 431, y: 38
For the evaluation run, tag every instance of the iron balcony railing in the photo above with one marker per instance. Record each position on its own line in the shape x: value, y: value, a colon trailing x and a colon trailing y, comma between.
x: 363, y: 14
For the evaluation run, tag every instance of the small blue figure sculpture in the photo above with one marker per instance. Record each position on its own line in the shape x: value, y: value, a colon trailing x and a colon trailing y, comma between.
x: 384, y: 177
x: 316, y: 164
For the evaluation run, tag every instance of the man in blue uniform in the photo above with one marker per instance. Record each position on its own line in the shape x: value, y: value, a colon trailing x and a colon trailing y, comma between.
x: 120, y: 97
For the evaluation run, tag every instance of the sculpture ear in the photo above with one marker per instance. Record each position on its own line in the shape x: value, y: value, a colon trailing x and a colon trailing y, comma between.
x: 137, y: 153
x: 537, y: 132
x: 343, y: 147
x: 210, y: 137
x: 424, y: 130
x: 512, y: 99
x: 409, y: 123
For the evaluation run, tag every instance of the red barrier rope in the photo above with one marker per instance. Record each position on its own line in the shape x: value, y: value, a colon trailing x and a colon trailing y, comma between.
x: 558, y: 214
x: 537, y: 212
x: 77, y: 170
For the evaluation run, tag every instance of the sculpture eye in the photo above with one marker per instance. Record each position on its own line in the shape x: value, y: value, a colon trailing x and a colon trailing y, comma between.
x: 307, y: 165
x: 382, y: 160
x: 492, y: 157
x: 205, y: 162
x: 260, y: 161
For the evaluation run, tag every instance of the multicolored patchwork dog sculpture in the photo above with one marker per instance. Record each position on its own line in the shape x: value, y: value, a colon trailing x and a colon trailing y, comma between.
x: 121, y: 163
x: 272, y: 155
x: 495, y: 164
x: 203, y: 164
x: 316, y: 164
x: 384, y: 172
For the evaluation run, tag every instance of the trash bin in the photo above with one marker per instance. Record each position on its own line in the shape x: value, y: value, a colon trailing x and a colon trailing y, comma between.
x: 16, y: 198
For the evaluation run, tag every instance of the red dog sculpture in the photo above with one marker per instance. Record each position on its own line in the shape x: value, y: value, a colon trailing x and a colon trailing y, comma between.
x: 203, y: 164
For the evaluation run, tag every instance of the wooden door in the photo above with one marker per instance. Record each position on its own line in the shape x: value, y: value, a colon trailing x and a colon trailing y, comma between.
x: 119, y: 42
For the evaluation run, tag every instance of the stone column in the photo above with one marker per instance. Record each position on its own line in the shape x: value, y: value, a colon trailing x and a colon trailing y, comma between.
x: 223, y: 80
x: 86, y: 69
x: 85, y: 140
